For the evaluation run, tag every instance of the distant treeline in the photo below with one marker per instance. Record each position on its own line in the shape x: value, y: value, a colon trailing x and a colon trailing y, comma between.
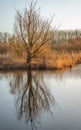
x: 63, y: 36
x: 4, y: 37
x: 60, y: 36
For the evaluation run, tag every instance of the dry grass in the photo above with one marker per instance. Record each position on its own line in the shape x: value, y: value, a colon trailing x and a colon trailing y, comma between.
x: 53, y: 58
x: 59, y: 59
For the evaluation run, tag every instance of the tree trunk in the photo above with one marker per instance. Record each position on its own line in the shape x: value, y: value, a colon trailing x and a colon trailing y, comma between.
x: 28, y: 61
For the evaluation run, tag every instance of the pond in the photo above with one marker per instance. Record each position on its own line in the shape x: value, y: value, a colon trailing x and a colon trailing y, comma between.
x: 40, y: 100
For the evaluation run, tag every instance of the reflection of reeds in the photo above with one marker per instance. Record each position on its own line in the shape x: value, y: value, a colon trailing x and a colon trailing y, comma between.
x: 32, y: 96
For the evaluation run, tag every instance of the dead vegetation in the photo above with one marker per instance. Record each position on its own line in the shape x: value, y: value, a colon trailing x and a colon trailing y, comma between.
x: 51, y: 57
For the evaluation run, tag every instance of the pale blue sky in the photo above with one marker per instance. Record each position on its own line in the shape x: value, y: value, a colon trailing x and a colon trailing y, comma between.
x: 67, y: 12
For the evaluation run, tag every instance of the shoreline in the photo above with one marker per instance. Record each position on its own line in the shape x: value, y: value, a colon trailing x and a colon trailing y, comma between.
x: 11, y: 67
x: 25, y: 67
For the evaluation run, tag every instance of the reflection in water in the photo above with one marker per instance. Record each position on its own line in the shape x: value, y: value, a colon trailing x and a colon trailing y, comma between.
x: 32, y: 96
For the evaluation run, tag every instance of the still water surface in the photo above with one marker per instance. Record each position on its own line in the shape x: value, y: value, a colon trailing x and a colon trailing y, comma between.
x: 42, y: 100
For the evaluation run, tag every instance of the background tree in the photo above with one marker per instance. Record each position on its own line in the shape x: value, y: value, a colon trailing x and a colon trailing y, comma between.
x: 4, y: 37
x: 33, y: 30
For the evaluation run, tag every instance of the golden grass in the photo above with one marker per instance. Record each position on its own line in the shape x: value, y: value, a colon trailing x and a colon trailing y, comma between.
x: 59, y: 59
x: 49, y: 57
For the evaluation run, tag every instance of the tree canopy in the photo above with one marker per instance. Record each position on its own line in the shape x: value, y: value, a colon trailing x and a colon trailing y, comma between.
x: 33, y: 30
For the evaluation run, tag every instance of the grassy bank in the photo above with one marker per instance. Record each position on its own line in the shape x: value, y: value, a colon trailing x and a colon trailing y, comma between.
x: 53, y: 57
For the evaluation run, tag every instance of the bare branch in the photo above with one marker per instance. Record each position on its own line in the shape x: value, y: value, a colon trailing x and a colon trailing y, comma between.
x: 33, y: 30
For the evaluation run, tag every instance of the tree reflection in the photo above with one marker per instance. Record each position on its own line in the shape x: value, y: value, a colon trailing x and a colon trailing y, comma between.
x: 32, y: 96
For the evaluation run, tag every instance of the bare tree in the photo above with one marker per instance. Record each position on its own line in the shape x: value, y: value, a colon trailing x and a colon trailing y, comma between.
x: 34, y: 31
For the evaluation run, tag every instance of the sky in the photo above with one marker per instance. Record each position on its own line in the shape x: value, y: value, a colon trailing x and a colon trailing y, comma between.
x: 67, y: 12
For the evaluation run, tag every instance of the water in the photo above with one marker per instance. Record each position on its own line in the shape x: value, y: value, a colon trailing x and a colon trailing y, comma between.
x: 42, y: 100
